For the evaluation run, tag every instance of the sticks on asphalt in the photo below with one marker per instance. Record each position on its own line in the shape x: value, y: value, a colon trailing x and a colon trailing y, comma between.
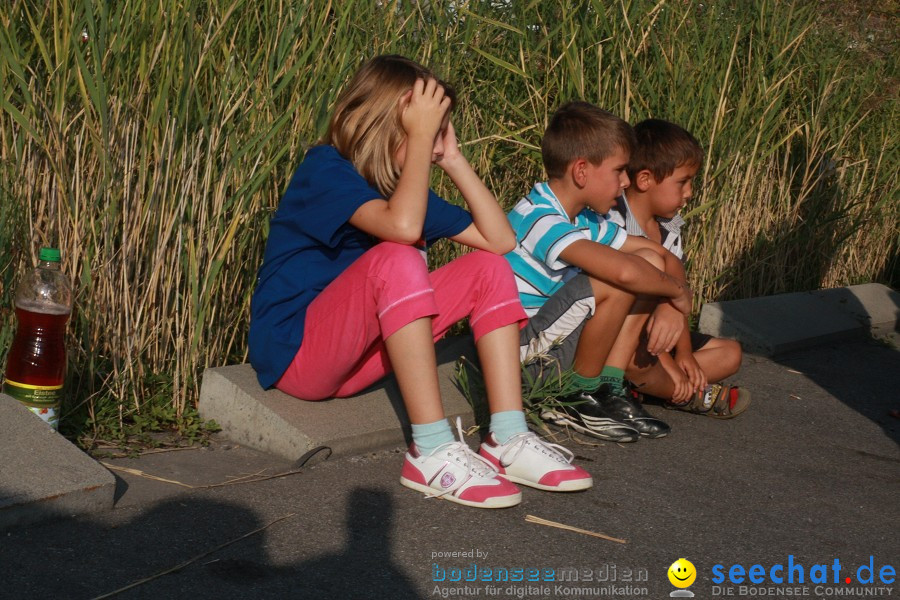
x: 539, y: 521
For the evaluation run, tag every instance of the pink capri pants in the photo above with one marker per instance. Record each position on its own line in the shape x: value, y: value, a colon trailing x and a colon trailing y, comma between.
x: 387, y: 288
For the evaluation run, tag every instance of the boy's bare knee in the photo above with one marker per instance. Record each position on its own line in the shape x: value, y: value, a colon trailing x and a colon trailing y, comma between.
x: 730, y: 354
x: 735, y: 354
x: 651, y: 257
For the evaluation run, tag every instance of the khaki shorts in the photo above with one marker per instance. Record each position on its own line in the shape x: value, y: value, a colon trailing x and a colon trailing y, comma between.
x: 547, y: 343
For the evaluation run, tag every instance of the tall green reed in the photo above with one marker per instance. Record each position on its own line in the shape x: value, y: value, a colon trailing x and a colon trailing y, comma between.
x: 151, y: 142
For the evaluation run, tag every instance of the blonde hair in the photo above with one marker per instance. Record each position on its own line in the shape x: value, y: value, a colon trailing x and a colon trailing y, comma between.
x: 365, y: 126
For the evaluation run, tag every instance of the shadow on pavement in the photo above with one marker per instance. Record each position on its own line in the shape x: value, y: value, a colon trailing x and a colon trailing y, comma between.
x: 81, y: 559
x: 364, y: 568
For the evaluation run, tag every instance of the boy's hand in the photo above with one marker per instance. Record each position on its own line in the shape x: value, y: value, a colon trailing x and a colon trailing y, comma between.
x: 423, y: 109
x: 684, y: 302
x: 683, y: 391
x: 691, y: 368
x: 664, y: 327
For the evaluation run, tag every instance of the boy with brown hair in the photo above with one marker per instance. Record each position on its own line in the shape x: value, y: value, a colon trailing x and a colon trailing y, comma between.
x: 578, y: 276
x: 661, y: 170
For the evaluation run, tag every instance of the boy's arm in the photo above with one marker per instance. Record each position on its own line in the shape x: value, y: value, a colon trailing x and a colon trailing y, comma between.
x: 682, y: 390
x: 666, y: 325
x: 684, y: 357
x: 628, y: 272
x: 684, y: 353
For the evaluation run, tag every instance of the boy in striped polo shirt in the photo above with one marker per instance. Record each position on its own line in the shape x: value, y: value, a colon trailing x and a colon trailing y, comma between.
x: 661, y: 169
x: 579, y: 275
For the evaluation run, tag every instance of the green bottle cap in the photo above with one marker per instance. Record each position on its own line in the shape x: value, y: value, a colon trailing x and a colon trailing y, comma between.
x: 50, y: 254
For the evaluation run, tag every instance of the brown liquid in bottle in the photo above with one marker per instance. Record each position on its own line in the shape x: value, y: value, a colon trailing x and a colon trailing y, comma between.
x: 38, y: 352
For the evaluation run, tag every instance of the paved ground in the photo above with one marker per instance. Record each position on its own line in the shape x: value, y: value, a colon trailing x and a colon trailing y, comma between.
x: 812, y: 471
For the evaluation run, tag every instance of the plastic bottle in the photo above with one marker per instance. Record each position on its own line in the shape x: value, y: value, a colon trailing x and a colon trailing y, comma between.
x: 36, y: 364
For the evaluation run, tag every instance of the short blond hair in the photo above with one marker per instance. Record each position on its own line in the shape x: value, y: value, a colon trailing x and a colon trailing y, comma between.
x: 365, y: 126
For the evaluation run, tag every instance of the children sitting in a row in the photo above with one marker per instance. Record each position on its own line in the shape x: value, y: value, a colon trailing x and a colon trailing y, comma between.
x: 344, y: 295
x: 594, y: 305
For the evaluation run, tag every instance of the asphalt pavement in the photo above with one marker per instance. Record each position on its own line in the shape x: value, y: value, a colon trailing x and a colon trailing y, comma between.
x: 808, y: 476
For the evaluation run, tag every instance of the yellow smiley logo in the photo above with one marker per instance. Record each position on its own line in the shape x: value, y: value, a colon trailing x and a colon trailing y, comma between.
x: 682, y: 573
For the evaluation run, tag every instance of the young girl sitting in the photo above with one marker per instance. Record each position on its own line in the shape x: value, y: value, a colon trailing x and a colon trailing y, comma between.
x: 344, y: 295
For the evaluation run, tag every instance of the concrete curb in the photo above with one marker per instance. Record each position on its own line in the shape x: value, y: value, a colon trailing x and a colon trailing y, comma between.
x: 274, y: 422
x: 775, y: 325
x: 42, y: 474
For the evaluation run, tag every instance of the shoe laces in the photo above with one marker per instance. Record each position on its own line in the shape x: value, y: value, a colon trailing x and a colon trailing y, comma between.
x: 516, y: 444
x: 460, y: 453
x: 615, y: 401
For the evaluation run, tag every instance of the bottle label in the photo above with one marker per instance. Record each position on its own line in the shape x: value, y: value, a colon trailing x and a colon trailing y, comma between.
x: 35, y: 396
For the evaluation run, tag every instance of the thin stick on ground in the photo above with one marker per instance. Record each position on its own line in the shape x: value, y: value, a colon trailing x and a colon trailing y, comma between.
x: 180, y: 566
x: 142, y: 453
x: 539, y: 521
x: 139, y: 473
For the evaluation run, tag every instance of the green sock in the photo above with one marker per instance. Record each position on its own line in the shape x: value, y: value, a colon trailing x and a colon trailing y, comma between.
x: 585, y: 384
x: 614, y: 377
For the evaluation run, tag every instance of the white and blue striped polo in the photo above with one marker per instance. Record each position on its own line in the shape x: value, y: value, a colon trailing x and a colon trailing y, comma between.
x: 543, y: 231
x: 669, y: 229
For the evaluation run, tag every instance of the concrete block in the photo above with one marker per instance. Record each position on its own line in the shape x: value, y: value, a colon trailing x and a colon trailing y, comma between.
x: 42, y: 474
x: 875, y: 306
x: 774, y: 325
x: 273, y: 422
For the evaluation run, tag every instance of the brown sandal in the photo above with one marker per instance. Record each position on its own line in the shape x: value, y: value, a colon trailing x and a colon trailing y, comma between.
x: 718, y: 401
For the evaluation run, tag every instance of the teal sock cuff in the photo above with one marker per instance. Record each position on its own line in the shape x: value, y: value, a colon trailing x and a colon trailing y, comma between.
x: 429, y: 436
x: 508, y: 423
x: 585, y: 384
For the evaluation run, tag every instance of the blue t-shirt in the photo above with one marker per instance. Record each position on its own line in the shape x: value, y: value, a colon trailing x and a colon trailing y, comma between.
x: 310, y: 243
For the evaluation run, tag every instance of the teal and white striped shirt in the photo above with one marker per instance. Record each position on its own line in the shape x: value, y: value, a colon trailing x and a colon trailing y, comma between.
x: 543, y: 231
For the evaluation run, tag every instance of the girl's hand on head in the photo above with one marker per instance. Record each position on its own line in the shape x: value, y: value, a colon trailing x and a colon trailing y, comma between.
x: 423, y: 109
x: 450, y: 146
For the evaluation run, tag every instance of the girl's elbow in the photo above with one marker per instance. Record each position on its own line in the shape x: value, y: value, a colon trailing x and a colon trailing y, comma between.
x: 407, y: 233
x: 410, y: 238
x: 506, y: 245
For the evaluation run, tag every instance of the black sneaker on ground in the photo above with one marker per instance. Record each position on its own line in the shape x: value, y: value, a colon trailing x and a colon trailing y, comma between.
x: 626, y: 408
x: 584, y: 413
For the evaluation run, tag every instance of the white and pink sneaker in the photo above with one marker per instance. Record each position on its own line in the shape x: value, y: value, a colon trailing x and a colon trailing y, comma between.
x: 455, y: 473
x: 527, y: 459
